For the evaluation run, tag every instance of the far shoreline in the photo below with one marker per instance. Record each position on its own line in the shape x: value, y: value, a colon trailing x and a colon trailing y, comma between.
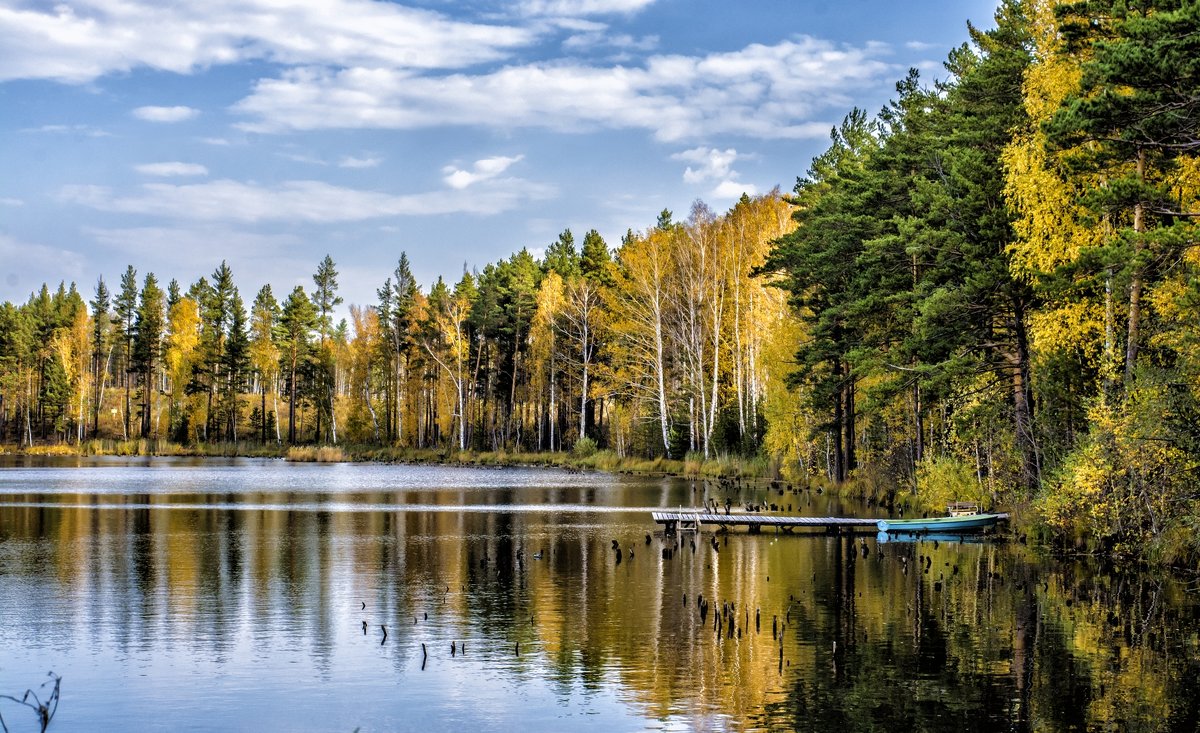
x: 730, y: 472
x: 735, y: 468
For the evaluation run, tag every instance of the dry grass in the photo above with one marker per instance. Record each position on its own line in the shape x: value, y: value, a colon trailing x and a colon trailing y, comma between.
x: 51, y: 450
x: 602, y: 460
x: 316, y: 454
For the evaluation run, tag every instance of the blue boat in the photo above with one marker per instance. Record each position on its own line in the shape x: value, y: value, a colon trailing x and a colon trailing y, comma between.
x: 965, y: 523
x: 930, y: 537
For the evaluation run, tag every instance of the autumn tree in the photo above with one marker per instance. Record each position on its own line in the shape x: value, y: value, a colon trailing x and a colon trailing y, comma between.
x: 264, y: 356
x: 545, y: 356
x: 445, y: 339
x: 1133, y: 116
x: 642, y: 307
x: 180, y: 357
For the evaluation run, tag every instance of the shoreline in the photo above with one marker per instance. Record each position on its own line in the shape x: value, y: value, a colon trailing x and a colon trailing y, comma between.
x: 723, y: 467
x: 732, y: 472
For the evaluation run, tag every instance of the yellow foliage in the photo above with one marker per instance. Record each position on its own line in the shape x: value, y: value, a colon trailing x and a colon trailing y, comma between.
x: 789, y: 422
x: 1125, y: 484
x: 1048, y: 226
x: 183, y: 323
x: 1070, y: 326
x: 945, y: 479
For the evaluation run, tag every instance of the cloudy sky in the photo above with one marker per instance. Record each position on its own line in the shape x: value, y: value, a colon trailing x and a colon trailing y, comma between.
x: 172, y: 135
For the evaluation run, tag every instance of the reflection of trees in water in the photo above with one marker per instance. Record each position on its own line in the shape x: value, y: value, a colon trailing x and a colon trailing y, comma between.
x: 908, y: 635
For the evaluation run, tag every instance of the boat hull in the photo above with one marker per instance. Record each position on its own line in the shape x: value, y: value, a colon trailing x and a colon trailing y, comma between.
x: 969, y: 523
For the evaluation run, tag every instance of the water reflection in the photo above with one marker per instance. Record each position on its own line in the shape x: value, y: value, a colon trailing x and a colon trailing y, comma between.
x: 233, y: 596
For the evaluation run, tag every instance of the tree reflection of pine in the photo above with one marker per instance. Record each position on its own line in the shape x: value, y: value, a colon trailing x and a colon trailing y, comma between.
x: 985, y: 635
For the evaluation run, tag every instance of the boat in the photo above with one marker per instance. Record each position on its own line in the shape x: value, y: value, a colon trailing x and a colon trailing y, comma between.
x: 963, y: 523
x: 949, y: 538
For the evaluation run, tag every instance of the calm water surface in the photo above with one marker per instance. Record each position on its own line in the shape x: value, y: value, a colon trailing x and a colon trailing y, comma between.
x: 181, y: 594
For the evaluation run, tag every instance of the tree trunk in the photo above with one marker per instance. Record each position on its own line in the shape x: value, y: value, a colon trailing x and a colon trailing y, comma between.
x: 839, y: 455
x: 1135, y: 285
x: 147, y: 387
x: 851, y: 462
x: 660, y: 367
x: 125, y: 422
x: 322, y: 393
x: 371, y: 409
x: 292, y: 405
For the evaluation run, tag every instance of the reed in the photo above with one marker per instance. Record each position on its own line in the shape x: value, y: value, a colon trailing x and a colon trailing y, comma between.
x: 316, y: 454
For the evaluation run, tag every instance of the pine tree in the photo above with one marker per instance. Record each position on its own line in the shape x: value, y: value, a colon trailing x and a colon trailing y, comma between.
x: 215, y: 300
x: 101, y: 349
x: 970, y: 314
x: 561, y: 256
x: 297, y: 321
x: 399, y: 325
x: 818, y: 266
x: 126, y: 307
x: 595, y: 261
x: 236, y: 362
x: 325, y: 299
x: 147, y: 347
x: 1136, y: 112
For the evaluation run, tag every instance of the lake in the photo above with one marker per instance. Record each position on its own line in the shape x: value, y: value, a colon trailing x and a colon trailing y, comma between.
x: 244, y: 594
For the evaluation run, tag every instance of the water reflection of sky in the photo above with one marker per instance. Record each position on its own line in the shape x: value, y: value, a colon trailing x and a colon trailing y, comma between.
x: 207, y: 595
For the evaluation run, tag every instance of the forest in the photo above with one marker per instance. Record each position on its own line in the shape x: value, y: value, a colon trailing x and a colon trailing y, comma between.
x: 988, y: 290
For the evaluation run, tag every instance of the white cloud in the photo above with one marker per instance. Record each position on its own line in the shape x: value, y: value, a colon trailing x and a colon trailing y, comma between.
x: 714, y: 164
x: 350, y: 161
x: 298, y: 201
x: 165, y: 114
x: 301, y: 158
x: 732, y: 190
x: 86, y: 130
x: 598, y: 39
x: 571, y: 8
x: 576, y: 25
x: 483, y: 170
x: 216, y: 141
x: 86, y: 39
x: 171, y: 168
x: 11, y: 202
x: 759, y: 91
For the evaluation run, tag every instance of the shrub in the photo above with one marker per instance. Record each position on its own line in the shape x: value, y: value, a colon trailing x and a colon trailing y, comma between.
x: 585, y: 447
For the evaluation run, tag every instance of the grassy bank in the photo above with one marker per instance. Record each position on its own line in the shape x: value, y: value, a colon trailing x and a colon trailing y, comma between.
x: 729, y: 467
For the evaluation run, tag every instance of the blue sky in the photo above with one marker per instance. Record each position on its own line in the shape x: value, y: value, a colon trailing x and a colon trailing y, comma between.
x: 268, y: 133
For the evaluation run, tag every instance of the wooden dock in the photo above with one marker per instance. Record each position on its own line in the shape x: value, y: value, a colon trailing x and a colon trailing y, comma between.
x: 692, y: 521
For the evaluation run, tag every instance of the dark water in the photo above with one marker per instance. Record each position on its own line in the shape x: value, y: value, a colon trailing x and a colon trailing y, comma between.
x: 228, y: 595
